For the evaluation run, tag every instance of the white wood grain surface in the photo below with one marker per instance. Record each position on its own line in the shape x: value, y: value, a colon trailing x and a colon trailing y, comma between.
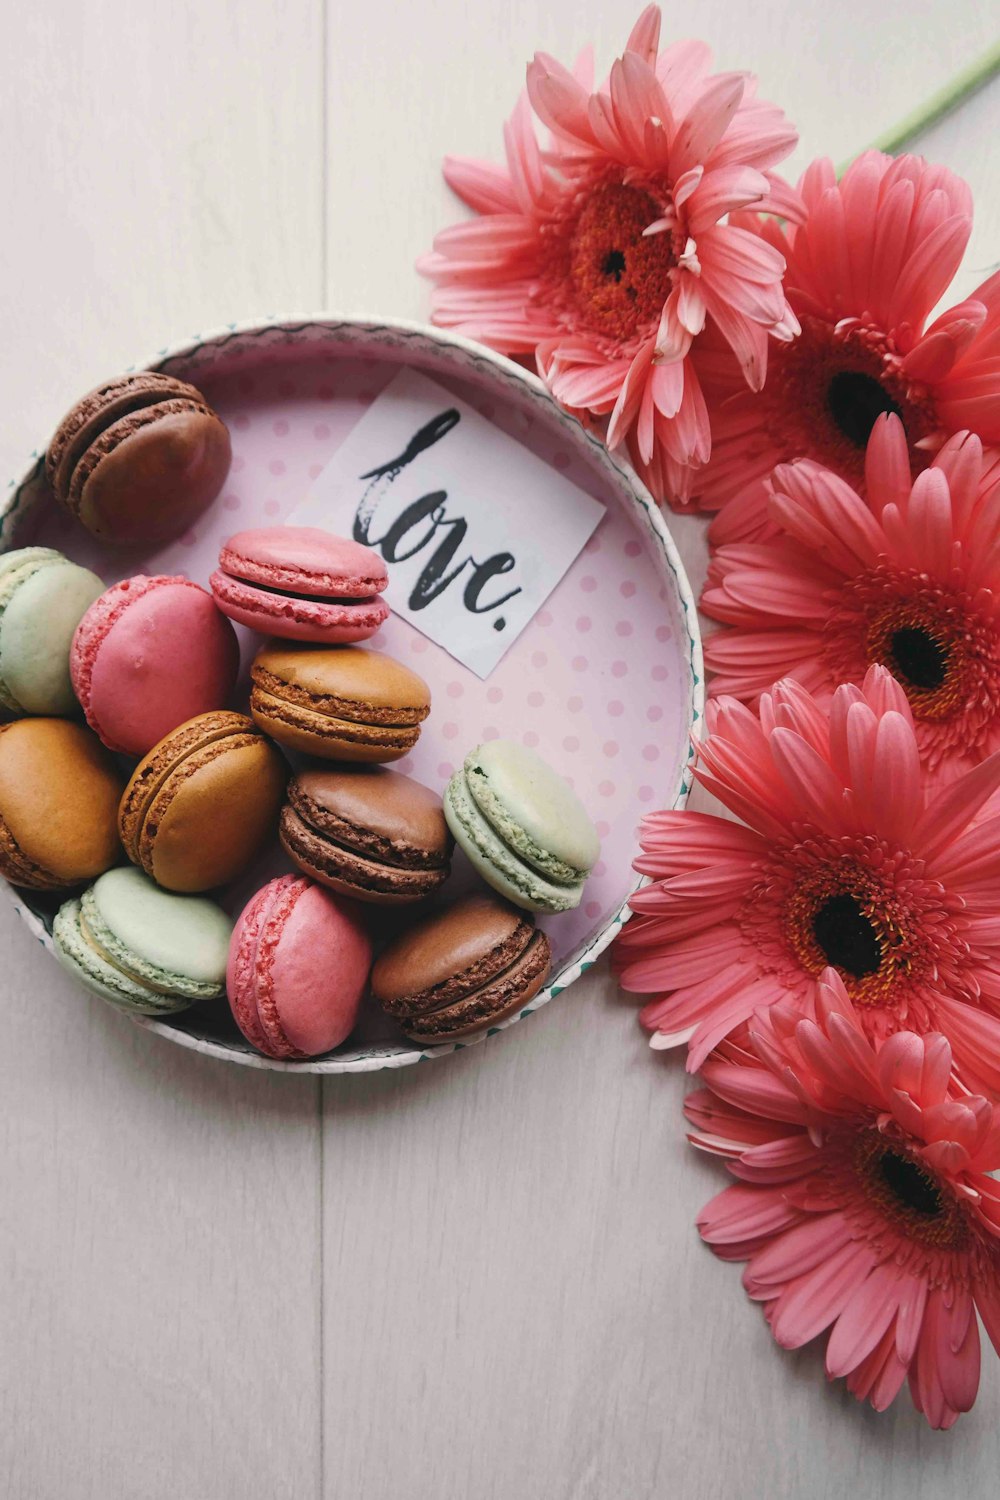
x: 476, y: 1280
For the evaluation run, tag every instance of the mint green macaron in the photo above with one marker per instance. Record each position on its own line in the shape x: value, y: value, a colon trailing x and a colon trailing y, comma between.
x: 43, y: 597
x: 147, y: 951
x: 521, y: 826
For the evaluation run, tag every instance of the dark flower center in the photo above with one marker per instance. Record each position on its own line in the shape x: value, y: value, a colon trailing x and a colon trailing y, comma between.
x: 856, y: 401
x: 921, y: 659
x: 847, y: 938
x: 614, y: 264
x: 913, y: 1188
x: 620, y: 278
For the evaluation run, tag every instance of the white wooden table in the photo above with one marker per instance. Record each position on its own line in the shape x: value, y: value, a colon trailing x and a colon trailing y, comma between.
x: 476, y: 1280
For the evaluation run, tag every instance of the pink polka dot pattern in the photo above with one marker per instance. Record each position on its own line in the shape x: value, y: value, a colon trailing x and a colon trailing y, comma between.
x: 592, y: 683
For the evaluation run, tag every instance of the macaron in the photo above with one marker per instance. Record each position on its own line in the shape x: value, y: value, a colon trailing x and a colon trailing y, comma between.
x: 341, y: 703
x: 301, y: 584
x: 147, y: 951
x: 464, y: 968
x: 203, y: 802
x: 150, y: 654
x: 59, y: 791
x: 367, y: 832
x: 137, y: 460
x: 42, y: 596
x: 298, y: 966
x: 523, y: 828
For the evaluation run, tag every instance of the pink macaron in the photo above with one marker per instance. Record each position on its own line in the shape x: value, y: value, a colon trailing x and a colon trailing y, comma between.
x: 298, y: 965
x: 148, y: 655
x: 301, y: 584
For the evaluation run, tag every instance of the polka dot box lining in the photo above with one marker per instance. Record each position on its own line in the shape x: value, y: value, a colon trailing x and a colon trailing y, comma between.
x: 605, y: 681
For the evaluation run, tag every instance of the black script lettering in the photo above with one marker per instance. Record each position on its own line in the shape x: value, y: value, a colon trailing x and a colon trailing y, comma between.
x: 427, y: 518
x: 432, y: 432
x: 500, y: 562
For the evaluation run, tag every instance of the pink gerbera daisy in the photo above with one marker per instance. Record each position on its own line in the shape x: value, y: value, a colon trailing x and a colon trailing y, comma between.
x: 909, y: 579
x: 604, y: 256
x: 876, y: 252
x: 863, y: 1206
x: 846, y: 860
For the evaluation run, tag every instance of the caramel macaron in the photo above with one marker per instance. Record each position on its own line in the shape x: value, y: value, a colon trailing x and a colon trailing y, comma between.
x: 203, y: 802
x: 470, y: 966
x: 137, y: 460
x: 367, y: 832
x: 338, y: 702
x: 59, y: 792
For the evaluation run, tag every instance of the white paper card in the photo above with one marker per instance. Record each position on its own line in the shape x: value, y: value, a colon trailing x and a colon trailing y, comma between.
x: 475, y: 530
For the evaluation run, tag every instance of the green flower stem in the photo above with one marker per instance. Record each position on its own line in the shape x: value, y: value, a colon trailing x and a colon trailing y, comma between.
x: 948, y: 98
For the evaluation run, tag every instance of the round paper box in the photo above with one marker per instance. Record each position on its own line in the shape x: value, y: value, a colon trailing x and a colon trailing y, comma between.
x: 605, y: 681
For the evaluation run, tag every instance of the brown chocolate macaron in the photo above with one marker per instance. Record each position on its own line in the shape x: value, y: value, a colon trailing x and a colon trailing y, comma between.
x: 338, y: 702
x: 367, y: 832
x: 138, y: 459
x: 203, y: 802
x: 59, y: 791
x: 464, y: 968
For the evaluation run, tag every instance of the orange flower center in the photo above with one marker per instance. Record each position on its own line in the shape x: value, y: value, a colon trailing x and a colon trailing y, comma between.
x: 916, y: 646
x: 910, y: 1196
x: 841, y: 916
x: 619, y: 278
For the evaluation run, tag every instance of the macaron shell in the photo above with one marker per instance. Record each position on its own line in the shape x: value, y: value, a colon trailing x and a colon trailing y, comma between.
x: 499, y: 866
x: 213, y: 814
x: 501, y: 997
x: 150, y: 654
x: 100, y: 977
x: 36, y: 631
x: 533, y: 809
x: 184, y: 938
x: 99, y: 409
x: 328, y: 738
x: 305, y: 560
x: 244, y: 947
x: 351, y: 874
x: 449, y: 954
x: 151, y: 474
x: 375, y: 811
x: 59, y: 792
x: 349, y: 683
x: 324, y: 622
x: 298, y: 964
x: 318, y: 973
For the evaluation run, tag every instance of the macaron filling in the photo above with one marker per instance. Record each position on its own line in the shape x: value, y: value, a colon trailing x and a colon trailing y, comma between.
x: 493, y: 1001
x: 346, y: 869
x: 491, y: 855
x: 362, y: 839
x: 484, y: 970
x: 98, y: 411
x: 347, y: 586
x: 333, y: 706
x: 143, y: 415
